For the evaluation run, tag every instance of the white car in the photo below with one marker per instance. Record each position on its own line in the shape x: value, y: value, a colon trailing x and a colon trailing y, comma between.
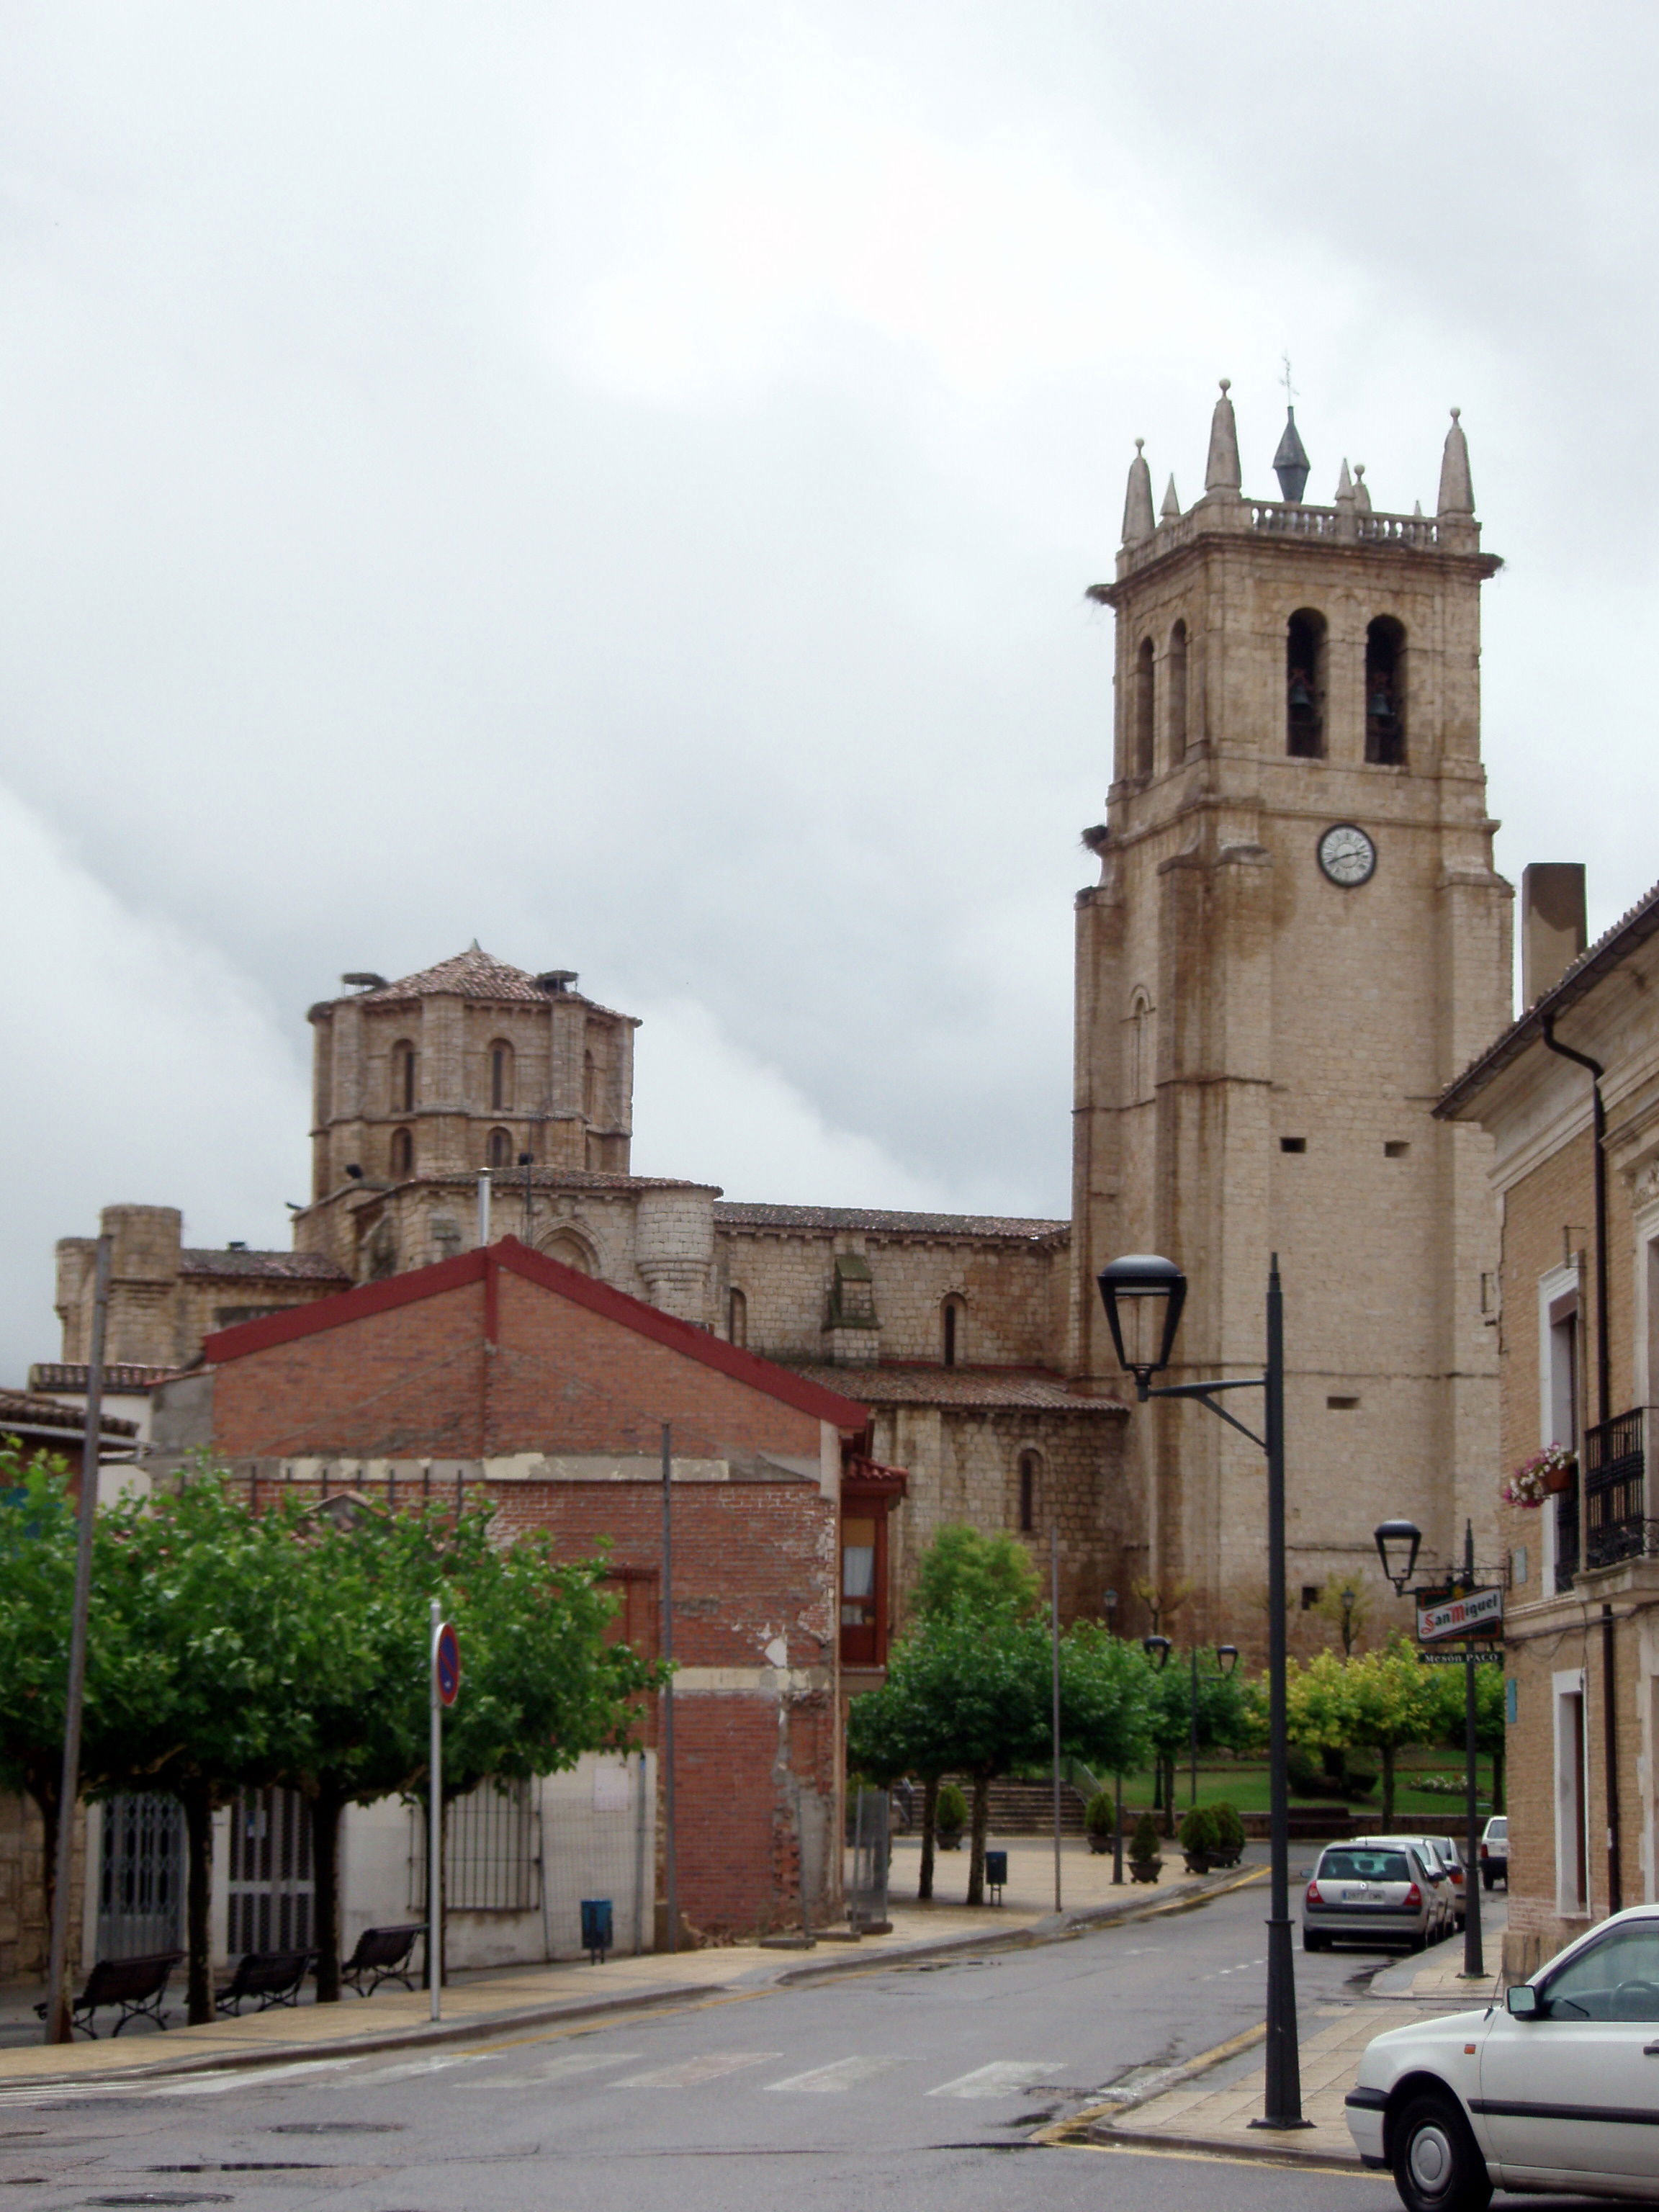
x: 1556, y: 2091
x: 1438, y: 1859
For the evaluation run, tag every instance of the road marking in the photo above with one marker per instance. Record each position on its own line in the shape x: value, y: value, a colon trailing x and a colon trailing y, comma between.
x: 242, y: 2078
x: 556, y: 2070
x: 844, y: 2074
x: 1004, y: 2077
x: 409, y: 2070
x: 689, y: 2073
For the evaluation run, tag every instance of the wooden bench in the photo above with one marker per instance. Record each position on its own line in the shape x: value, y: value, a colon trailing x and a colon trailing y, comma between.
x: 272, y: 1976
x: 137, y: 1985
x: 383, y: 1954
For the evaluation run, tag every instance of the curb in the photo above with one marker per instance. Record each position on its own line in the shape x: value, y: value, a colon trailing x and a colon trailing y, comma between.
x: 1280, y: 2152
x: 1054, y: 1929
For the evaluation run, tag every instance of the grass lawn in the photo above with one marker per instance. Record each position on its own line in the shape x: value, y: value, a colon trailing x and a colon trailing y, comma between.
x: 1243, y: 1785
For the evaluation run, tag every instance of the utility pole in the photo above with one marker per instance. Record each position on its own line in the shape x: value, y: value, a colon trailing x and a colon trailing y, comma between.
x: 59, y: 2018
x: 670, y: 1884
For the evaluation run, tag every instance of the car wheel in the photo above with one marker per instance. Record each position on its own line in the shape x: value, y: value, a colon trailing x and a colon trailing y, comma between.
x: 1436, y: 2166
x: 1312, y: 1942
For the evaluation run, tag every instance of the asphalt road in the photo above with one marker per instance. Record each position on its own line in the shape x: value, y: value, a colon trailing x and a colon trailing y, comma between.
x: 927, y: 2079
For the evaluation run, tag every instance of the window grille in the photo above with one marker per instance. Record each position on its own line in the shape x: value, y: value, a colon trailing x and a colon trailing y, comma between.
x: 490, y: 1860
x: 141, y: 1876
x: 271, y: 1891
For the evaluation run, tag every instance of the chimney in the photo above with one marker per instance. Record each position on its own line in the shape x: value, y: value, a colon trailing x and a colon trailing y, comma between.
x: 1553, y: 931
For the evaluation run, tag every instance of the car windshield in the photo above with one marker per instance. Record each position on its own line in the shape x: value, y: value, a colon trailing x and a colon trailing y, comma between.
x: 1364, y: 1866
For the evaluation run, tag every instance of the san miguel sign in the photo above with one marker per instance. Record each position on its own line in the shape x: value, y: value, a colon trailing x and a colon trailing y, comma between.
x: 1477, y: 1613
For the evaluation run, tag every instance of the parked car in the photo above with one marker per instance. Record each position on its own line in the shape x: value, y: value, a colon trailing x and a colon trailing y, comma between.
x: 1371, y: 1894
x: 1439, y: 1858
x: 1552, y: 2091
x: 1495, y: 1851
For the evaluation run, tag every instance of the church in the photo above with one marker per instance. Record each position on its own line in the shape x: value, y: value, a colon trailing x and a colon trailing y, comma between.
x: 1296, y: 940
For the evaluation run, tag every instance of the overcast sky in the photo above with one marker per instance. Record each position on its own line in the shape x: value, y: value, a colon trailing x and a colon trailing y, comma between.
x: 620, y: 482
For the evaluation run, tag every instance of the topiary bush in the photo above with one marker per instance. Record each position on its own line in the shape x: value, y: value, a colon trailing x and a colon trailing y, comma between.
x: 1229, y: 1833
x: 1305, y: 1772
x: 949, y: 1816
x: 1198, y: 1833
x: 1143, y: 1850
x: 1097, y: 1813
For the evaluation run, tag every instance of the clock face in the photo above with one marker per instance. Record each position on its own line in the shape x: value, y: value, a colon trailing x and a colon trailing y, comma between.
x: 1348, y: 855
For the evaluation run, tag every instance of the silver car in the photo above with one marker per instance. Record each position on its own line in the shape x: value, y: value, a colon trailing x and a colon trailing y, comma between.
x: 1442, y: 1866
x: 1370, y: 1893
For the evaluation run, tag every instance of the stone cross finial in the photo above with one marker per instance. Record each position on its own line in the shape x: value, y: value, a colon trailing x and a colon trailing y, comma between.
x: 1456, y: 491
x: 1221, y: 471
x: 1138, y: 521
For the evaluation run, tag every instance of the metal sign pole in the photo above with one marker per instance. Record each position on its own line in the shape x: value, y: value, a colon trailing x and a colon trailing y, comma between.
x: 435, y: 1827
x: 1054, y: 1625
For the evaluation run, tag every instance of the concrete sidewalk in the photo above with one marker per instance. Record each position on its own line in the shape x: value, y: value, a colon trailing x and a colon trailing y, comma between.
x: 1209, y: 2103
x: 542, y: 1997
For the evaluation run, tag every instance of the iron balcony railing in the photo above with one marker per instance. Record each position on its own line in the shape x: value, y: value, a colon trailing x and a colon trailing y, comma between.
x: 1614, y: 1485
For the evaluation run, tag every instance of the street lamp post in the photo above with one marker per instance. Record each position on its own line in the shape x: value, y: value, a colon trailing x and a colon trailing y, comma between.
x: 1143, y: 1294
x: 1397, y: 1544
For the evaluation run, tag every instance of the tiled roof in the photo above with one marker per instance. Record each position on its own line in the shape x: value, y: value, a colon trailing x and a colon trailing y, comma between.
x: 986, y: 1387
x: 22, y: 1411
x: 266, y: 1266
x: 118, y: 1374
x: 877, y: 1221
x: 473, y: 974
x: 1631, y: 929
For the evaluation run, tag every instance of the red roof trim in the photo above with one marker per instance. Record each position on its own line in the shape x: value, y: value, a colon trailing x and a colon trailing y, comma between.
x: 481, y: 1265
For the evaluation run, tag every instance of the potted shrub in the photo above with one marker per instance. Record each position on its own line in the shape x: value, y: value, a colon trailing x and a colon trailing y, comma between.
x: 1228, y: 1836
x: 1198, y: 1838
x: 1145, y: 1859
x: 950, y: 1818
x: 1097, y: 1820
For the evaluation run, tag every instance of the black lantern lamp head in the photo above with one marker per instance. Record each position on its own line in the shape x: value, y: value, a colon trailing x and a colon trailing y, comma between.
x: 1157, y: 1649
x: 1226, y: 1657
x: 1397, y: 1543
x: 1146, y: 1294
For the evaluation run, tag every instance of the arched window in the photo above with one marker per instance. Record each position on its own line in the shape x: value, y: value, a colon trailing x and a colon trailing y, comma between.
x: 403, y: 1154
x: 1304, y: 685
x: 500, y: 1148
x: 1385, y: 692
x: 500, y: 1077
x: 567, y: 1248
x: 736, y: 1318
x: 403, y: 1077
x: 1177, y: 691
x: 1031, y: 1466
x: 1145, y: 692
x: 953, y: 1316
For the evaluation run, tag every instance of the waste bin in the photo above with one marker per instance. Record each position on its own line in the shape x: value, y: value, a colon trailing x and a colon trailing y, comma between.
x: 596, y: 1928
x: 996, y: 1874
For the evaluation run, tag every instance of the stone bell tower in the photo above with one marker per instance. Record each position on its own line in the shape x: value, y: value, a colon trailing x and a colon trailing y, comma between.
x: 1296, y: 940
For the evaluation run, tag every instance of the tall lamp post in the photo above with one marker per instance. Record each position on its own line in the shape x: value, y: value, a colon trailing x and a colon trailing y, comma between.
x: 1143, y: 1294
x: 1397, y: 1543
x: 1117, y: 1779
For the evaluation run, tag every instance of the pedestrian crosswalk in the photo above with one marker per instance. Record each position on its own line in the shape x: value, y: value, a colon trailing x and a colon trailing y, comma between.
x: 527, y: 2069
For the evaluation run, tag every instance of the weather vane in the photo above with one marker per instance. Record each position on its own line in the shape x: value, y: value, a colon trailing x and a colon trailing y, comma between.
x: 1289, y: 389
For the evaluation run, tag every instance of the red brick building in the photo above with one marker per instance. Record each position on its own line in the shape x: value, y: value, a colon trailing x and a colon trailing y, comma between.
x: 504, y: 1368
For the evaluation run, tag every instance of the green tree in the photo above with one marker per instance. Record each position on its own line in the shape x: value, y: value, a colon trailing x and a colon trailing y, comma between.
x: 1382, y: 1701
x: 1450, y: 1724
x: 1105, y: 1701
x: 962, y: 1566
x: 1225, y: 1716
x: 973, y: 1686
x: 540, y: 1684
x: 37, y: 1579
